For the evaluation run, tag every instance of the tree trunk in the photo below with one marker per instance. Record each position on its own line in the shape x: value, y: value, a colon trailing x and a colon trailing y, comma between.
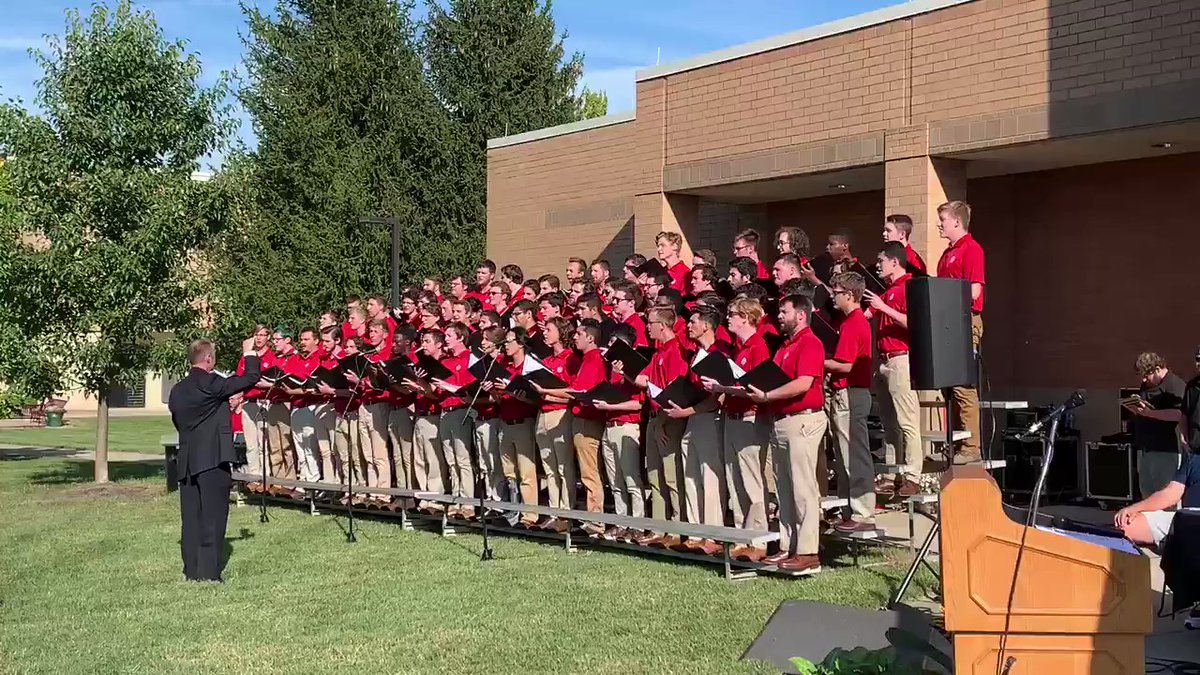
x: 102, y: 437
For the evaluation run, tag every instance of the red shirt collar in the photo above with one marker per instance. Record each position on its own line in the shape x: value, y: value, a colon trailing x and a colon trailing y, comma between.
x: 664, y: 346
x: 798, y: 335
x: 903, y: 277
x: 962, y: 240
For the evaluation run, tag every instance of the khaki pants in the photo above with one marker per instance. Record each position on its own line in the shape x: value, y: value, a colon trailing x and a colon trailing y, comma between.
x: 746, y: 444
x: 456, y: 430
x: 623, y: 464
x: 795, y: 442
x: 585, y: 436
x: 848, y: 411
x: 304, y: 438
x: 279, y: 441
x: 703, y: 480
x: 253, y: 415
x: 345, y: 447
x: 326, y: 422
x: 557, y: 449
x: 899, y: 412
x: 487, y: 444
x: 966, y: 403
x: 518, y: 459
x: 664, y: 437
x: 427, y: 454
x: 372, y: 444
x: 400, y: 431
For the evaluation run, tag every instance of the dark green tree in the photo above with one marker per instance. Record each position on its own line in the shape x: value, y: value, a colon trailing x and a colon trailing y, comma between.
x: 104, y: 227
x: 499, y: 68
x: 346, y: 128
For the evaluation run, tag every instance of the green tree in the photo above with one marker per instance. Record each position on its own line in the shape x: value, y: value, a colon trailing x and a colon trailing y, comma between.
x: 103, y: 264
x: 592, y: 104
x: 499, y: 68
x: 346, y: 128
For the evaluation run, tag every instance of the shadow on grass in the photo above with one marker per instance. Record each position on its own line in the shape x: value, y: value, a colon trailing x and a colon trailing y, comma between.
x: 84, y: 471
x: 35, y: 452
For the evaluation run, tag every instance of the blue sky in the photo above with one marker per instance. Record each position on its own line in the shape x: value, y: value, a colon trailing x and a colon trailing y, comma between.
x: 617, y: 37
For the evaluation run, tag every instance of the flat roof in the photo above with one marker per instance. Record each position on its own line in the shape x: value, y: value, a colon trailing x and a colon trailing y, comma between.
x: 561, y: 130
x: 850, y: 24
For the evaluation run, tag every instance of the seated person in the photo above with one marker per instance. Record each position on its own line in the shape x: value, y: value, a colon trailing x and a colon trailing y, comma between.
x: 1149, y: 521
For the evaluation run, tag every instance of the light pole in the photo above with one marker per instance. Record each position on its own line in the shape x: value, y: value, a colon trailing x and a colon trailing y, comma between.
x: 394, y: 223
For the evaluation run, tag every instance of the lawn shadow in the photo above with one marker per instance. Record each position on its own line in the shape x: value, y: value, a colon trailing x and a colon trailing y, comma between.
x: 76, y: 471
x: 36, y: 452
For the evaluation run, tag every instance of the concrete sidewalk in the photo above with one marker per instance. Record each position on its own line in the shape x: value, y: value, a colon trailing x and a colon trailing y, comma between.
x: 18, y: 452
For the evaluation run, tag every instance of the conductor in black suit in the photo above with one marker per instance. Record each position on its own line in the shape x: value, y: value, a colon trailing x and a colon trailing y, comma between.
x: 199, y: 406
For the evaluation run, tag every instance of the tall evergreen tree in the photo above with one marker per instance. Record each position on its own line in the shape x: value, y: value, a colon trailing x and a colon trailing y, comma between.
x: 498, y: 67
x: 346, y: 128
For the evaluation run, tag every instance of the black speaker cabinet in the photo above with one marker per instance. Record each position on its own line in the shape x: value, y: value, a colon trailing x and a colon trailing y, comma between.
x: 1023, y: 464
x: 1110, y: 472
x: 939, y: 326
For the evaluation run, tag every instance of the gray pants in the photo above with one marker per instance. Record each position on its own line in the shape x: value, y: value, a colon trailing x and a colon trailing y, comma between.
x: 1155, y: 470
x: 848, y: 412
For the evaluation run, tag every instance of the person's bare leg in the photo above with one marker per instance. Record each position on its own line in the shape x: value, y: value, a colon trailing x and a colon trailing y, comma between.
x: 1138, y: 531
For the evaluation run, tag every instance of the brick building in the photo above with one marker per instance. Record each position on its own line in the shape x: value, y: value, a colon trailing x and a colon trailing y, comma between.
x: 1072, y: 127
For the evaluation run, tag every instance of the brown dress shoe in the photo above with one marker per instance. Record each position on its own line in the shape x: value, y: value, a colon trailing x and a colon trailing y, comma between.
x: 649, y: 539
x: 851, y: 526
x: 754, y: 555
x: 776, y: 558
x: 708, y: 547
x: 801, y: 563
x: 670, y: 541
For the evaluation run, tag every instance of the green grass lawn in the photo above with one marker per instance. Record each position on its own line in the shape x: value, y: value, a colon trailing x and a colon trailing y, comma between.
x: 125, y: 434
x: 91, y: 582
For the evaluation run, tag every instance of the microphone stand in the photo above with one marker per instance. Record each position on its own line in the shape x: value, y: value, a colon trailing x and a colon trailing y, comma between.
x: 487, y: 553
x: 1047, y: 457
x: 348, y: 470
x: 262, y: 446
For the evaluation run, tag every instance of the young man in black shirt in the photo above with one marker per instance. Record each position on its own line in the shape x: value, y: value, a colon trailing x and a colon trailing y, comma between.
x: 1156, y: 441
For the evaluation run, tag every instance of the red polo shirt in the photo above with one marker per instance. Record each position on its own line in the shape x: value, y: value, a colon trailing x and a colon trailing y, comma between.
x: 763, y: 272
x: 275, y: 394
x: 302, y: 366
x: 892, y: 337
x: 371, y: 395
x: 854, y: 347
x: 513, y: 409
x: 266, y: 359
x: 681, y: 277
x: 914, y: 260
x: 723, y: 335
x: 748, y: 355
x: 564, y: 365
x: 639, y: 330
x: 802, y: 355
x: 681, y: 334
x: 459, y: 376
x: 634, y: 394
x: 592, y: 371
x: 667, y: 364
x: 964, y: 260
x: 428, y: 405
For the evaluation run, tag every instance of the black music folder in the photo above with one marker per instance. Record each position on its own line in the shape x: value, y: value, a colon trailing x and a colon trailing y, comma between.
x: 486, y: 368
x: 632, y: 359
x: 355, y: 363
x: 769, y: 286
x: 717, y: 367
x: 475, y: 340
x: 825, y: 332
x: 334, y: 377
x: 521, y: 389
x: 434, y: 370
x: 682, y: 392
x: 651, y: 268
x: 545, y: 379
x: 725, y: 290
x: 823, y: 266
x: 605, y: 391
x: 272, y: 374
x: 766, y: 376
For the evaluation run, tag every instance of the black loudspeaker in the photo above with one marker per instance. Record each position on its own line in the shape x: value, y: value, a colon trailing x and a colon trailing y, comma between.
x: 939, y: 327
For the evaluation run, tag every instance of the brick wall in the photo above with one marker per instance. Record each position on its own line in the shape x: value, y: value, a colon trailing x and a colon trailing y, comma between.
x: 861, y: 213
x: 1087, y: 267
x: 563, y: 196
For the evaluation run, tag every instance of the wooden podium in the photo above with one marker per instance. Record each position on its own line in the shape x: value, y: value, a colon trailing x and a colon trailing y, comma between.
x: 1076, y: 607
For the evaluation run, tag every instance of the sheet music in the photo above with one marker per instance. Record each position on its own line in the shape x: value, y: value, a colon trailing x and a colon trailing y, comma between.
x: 738, y: 373
x: 654, y: 391
x: 531, y: 364
x: 700, y: 354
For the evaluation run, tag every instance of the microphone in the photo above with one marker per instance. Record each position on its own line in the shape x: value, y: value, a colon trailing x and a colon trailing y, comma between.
x: 1074, y: 401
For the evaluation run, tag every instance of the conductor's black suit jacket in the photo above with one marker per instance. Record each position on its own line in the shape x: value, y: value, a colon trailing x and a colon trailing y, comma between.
x: 199, y: 406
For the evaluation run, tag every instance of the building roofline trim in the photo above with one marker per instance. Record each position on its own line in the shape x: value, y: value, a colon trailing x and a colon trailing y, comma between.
x: 850, y: 24
x: 561, y: 130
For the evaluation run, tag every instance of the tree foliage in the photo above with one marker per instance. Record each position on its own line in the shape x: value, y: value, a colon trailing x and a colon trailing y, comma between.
x: 104, y: 223
x: 592, y: 104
